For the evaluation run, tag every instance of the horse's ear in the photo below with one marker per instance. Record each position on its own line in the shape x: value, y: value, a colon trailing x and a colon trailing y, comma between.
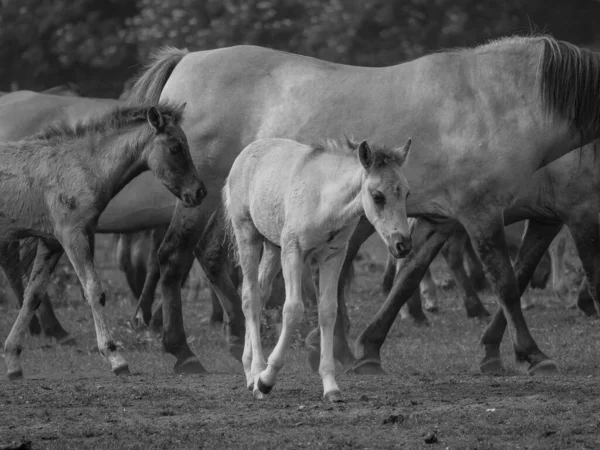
x: 365, y: 155
x: 156, y: 119
x: 404, y: 150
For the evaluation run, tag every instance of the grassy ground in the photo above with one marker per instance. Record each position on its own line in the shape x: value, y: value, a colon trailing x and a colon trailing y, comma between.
x: 432, y: 396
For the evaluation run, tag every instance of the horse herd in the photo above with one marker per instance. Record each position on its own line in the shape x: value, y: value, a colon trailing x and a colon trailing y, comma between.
x: 237, y: 157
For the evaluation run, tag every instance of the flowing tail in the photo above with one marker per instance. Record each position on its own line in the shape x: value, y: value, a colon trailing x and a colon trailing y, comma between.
x: 149, y: 85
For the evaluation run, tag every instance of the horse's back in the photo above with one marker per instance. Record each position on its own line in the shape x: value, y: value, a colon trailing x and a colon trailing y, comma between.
x: 23, y: 113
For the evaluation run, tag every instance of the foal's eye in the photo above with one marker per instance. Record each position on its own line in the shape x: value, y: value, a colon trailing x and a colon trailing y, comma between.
x: 378, y: 198
x: 175, y: 148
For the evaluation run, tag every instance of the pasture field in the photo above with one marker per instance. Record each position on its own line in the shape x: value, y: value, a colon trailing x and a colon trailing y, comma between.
x: 433, y: 395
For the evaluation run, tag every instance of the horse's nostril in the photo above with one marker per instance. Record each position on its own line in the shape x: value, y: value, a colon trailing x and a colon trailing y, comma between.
x: 187, y: 198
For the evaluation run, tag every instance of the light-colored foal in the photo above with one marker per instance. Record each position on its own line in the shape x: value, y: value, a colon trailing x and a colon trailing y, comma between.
x: 293, y: 201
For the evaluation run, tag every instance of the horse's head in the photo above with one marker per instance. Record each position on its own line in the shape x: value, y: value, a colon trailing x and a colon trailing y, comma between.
x: 168, y: 156
x: 384, y: 194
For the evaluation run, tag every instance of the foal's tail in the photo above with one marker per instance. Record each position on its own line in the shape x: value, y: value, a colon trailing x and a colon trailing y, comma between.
x: 149, y: 85
x: 228, y: 224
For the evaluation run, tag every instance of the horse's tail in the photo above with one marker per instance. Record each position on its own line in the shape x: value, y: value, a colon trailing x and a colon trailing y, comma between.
x: 149, y: 85
x: 227, y: 223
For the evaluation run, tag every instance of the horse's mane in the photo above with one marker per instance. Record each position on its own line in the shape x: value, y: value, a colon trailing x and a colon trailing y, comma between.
x: 570, y: 84
x: 347, y: 145
x: 116, y: 119
x: 569, y: 78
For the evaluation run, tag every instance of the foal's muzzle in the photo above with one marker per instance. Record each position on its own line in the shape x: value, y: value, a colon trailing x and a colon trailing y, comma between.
x: 193, y: 197
x: 400, y: 245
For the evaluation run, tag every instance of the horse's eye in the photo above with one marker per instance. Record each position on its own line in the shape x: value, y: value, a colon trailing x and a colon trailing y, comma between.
x: 175, y: 148
x: 378, y: 198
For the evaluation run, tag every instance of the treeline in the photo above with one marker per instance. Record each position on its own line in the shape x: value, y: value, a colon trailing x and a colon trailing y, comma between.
x: 99, y: 44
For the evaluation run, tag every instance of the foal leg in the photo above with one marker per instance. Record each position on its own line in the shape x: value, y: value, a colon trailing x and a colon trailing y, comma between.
x: 45, y: 261
x: 453, y: 254
x: 292, y: 263
x: 488, y: 240
x: 10, y: 262
x: 330, y: 265
x: 341, y: 348
x: 428, y: 237
x: 77, y: 248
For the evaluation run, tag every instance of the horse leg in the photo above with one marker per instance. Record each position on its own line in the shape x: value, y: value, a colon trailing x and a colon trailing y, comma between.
x: 413, y: 308
x: 330, y: 265
x: 428, y: 291
x: 585, y: 231
x: 453, y: 254
x: 488, y: 240
x: 10, y: 261
x: 557, y: 252
x: 123, y: 254
x: 536, y: 239
x: 213, y: 254
x: 45, y: 261
x: 427, y: 238
x: 389, y: 273
x: 341, y: 348
x: 292, y: 264
x: 146, y: 297
x: 475, y: 268
x: 175, y: 257
x: 77, y: 247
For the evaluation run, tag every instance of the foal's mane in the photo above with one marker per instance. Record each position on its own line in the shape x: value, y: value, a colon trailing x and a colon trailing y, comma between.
x: 116, y: 119
x: 347, y: 146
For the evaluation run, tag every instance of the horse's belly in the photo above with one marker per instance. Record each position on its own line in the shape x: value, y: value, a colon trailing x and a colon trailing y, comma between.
x: 144, y: 203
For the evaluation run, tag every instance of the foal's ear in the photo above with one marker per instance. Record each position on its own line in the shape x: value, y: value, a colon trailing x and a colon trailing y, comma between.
x: 365, y: 155
x: 155, y: 119
x: 404, y: 150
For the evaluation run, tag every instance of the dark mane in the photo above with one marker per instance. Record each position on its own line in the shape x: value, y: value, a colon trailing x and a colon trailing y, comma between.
x: 347, y: 145
x: 569, y: 78
x: 570, y: 84
x: 118, y: 118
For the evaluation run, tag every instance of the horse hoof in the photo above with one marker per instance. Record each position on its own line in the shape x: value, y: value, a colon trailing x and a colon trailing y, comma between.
x: 190, y: 366
x: 122, y: 371
x: 491, y: 366
x: 16, y: 376
x: 421, y: 322
x: 333, y: 397
x: 432, y: 308
x: 66, y: 341
x: 479, y: 313
x: 368, y: 367
x: 257, y: 394
x: 547, y: 367
x: 262, y: 387
x: 250, y: 387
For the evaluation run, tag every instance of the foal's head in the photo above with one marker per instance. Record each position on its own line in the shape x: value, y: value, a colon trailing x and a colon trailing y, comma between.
x: 168, y: 157
x: 384, y: 193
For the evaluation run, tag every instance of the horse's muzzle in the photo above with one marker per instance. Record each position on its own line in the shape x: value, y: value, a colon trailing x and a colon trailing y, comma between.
x: 400, y: 245
x: 194, y: 197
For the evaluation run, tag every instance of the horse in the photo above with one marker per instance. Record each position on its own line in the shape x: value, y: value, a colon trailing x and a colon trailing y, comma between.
x: 295, y: 201
x: 485, y: 119
x: 56, y: 184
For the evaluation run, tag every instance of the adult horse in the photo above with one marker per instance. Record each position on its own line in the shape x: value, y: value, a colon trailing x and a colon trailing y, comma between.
x: 483, y: 121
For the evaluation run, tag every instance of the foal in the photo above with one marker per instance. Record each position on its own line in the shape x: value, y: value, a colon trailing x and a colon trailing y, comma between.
x: 56, y: 184
x: 296, y: 201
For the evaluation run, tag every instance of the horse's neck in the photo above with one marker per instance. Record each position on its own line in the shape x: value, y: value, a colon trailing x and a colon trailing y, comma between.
x: 341, y: 193
x: 119, y: 159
